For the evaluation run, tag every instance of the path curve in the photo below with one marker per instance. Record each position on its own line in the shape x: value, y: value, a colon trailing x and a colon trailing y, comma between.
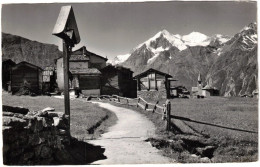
x: 124, y: 142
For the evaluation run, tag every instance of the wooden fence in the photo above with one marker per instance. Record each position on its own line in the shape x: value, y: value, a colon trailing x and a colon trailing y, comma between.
x: 164, y: 110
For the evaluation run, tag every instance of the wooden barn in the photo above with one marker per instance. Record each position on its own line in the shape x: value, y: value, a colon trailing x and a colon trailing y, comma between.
x: 84, y: 72
x: 179, y: 91
x: 153, y: 84
x: 7, y: 65
x: 209, y: 91
x: 119, y: 81
x: 26, y: 75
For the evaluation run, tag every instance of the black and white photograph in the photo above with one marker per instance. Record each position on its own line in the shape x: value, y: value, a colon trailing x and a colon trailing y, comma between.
x: 129, y: 83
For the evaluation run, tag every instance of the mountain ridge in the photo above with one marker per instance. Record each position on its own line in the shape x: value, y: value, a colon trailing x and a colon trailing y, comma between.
x: 180, y: 42
x: 20, y: 49
x: 205, y: 55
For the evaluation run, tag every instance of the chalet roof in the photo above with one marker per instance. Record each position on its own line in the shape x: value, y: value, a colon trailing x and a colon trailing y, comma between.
x: 88, y: 71
x: 172, y: 79
x: 255, y: 92
x: 26, y: 64
x: 82, y: 54
x: 207, y: 87
x: 152, y: 70
x: 8, y: 61
x: 84, y: 51
x: 78, y: 58
x: 117, y: 67
x: 49, y: 68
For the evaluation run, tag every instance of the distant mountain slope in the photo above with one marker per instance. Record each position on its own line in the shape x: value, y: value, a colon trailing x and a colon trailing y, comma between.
x: 230, y: 63
x: 20, y: 49
x: 235, y: 70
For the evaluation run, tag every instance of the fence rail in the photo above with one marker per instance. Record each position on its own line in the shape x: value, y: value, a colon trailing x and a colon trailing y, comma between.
x: 164, y: 110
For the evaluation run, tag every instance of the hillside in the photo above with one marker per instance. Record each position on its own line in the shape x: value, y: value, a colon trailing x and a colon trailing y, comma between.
x: 235, y: 71
x: 20, y: 49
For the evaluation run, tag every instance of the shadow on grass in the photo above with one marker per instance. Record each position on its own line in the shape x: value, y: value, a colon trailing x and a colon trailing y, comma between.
x: 205, y: 123
x: 79, y: 153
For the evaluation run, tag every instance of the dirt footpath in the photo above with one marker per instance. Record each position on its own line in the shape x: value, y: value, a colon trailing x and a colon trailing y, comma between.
x: 124, y: 142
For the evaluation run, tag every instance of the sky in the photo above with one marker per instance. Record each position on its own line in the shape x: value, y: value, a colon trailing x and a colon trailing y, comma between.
x: 111, y: 29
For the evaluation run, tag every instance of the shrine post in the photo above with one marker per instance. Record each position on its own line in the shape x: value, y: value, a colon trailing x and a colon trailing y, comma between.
x: 66, y: 29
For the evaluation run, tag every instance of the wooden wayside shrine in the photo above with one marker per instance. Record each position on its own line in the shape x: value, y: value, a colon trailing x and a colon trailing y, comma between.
x: 66, y: 29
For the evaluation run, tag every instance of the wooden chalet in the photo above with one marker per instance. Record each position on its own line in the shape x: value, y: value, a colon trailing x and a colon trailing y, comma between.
x: 209, y: 91
x: 84, y: 67
x: 7, y: 65
x: 119, y: 81
x: 26, y: 75
x: 153, y: 84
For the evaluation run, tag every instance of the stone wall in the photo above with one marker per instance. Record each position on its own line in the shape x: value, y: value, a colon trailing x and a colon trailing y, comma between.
x: 152, y: 94
x: 33, y: 137
x: 161, y: 93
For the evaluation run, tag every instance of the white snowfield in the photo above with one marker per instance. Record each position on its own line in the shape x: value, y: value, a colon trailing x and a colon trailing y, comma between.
x: 196, y: 39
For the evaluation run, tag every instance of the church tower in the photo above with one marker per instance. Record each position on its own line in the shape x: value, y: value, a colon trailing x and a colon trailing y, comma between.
x: 199, y: 80
x: 199, y: 85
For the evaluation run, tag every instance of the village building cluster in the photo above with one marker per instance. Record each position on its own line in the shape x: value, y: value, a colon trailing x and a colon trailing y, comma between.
x: 90, y: 75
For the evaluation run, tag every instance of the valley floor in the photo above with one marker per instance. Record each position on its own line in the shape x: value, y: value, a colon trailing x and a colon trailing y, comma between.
x: 213, y: 129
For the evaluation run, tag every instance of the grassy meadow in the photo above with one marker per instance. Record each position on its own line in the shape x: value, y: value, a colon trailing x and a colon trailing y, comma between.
x: 237, y: 117
x: 231, y: 122
x: 87, y: 120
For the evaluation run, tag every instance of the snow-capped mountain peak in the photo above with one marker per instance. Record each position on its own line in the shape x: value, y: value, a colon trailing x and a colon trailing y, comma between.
x: 174, y: 40
x: 248, y: 36
x: 119, y: 59
x: 250, y: 26
x: 220, y: 38
x: 196, y: 38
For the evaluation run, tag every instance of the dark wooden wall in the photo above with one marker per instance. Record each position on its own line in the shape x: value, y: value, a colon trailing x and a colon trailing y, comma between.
x: 119, y: 82
x: 128, y: 86
x: 109, y: 82
x: 89, y: 82
x: 6, y: 73
x: 25, y: 76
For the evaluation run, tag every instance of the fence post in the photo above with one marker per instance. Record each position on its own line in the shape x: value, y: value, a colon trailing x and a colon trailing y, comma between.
x: 127, y: 101
x: 155, y: 106
x: 168, y: 115
x: 146, y: 106
x: 138, y: 101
